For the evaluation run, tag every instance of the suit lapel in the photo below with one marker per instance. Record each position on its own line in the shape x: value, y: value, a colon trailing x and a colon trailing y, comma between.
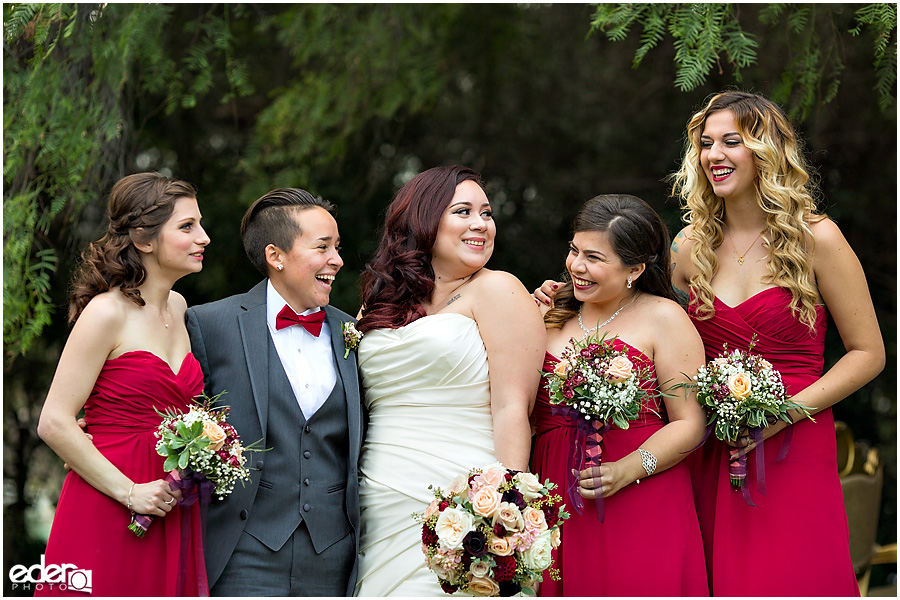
x: 348, y: 376
x: 255, y: 342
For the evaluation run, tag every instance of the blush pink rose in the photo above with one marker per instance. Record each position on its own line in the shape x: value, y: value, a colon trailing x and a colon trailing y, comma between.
x: 215, y: 434
x: 432, y: 509
x: 500, y: 546
x: 562, y: 369
x: 486, y: 501
x: 483, y: 586
x: 740, y: 385
x: 534, y: 519
x: 619, y: 369
x: 491, y: 477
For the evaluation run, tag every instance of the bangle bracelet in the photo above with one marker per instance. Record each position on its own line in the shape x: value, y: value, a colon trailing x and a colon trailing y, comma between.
x: 128, y: 506
x: 648, y: 461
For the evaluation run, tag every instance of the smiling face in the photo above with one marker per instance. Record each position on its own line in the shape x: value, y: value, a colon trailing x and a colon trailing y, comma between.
x: 309, y: 267
x: 598, y: 274
x: 726, y: 161
x: 180, y: 241
x: 465, y: 236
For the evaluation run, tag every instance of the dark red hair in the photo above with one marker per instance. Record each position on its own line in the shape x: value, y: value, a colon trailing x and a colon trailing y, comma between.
x: 400, y: 277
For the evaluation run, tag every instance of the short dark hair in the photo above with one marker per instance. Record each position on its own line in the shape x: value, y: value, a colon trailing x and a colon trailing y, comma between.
x: 270, y: 220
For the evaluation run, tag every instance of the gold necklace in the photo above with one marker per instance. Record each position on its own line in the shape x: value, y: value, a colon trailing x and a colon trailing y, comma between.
x: 741, y: 256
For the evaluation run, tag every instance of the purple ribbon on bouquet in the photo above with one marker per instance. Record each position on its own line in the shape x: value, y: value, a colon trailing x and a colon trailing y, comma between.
x: 760, y: 458
x: 586, y: 453
x: 194, y: 486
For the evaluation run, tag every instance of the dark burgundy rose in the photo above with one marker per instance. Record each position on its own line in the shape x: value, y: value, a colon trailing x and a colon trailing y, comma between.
x: 509, y: 588
x: 499, y: 530
x: 514, y: 496
x: 475, y: 543
x: 448, y: 587
x: 443, y: 505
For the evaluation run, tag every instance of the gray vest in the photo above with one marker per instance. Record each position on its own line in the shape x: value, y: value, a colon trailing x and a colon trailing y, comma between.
x: 307, y: 479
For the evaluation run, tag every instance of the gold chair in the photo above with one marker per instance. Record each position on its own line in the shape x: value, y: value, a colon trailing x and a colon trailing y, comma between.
x: 862, y: 478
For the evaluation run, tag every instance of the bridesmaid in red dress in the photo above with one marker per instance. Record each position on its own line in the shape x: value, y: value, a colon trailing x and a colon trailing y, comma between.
x: 760, y: 262
x: 127, y: 356
x: 649, y: 542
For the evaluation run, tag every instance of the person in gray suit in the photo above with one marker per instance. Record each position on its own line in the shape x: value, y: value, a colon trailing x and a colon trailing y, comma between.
x: 279, y: 353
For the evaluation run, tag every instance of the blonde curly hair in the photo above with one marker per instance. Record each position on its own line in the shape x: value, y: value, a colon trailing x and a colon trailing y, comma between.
x: 785, y: 191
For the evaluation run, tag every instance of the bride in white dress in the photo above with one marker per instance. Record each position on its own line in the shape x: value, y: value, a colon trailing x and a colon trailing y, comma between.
x: 450, y: 362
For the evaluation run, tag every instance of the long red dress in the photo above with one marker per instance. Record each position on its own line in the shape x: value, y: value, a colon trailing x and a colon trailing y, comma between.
x: 795, y: 541
x: 649, y: 542
x: 90, y: 529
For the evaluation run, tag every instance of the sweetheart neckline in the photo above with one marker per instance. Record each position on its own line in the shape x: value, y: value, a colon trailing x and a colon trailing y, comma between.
x: 157, y: 357
x: 621, y: 341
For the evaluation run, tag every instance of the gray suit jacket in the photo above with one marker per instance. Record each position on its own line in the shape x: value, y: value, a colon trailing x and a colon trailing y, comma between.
x: 230, y: 339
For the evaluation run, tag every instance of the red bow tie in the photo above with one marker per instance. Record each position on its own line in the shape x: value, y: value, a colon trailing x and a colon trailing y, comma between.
x: 312, y: 322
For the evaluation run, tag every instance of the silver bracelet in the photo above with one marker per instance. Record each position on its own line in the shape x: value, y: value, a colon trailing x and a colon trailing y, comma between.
x: 648, y: 461
x: 128, y: 506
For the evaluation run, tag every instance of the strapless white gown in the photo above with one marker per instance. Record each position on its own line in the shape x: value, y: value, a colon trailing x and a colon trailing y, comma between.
x: 428, y: 395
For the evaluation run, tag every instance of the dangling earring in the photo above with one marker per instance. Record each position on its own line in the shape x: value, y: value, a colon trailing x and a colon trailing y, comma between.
x: 629, y: 282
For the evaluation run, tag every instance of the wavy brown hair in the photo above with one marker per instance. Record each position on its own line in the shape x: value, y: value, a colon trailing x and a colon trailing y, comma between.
x: 400, y: 278
x: 785, y: 190
x: 138, y: 206
x: 637, y: 235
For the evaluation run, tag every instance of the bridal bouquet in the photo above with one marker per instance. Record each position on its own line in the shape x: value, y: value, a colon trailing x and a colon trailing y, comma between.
x: 203, y: 454
x: 491, y: 532
x: 597, y: 385
x: 742, y: 390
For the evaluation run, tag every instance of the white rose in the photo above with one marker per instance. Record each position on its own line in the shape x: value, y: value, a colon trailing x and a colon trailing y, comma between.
x: 538, y: 556
x: 509, y: 516
x: 459, y: 484
x: 480, y: 568
x: 529, y: 485
x: 452, y: 526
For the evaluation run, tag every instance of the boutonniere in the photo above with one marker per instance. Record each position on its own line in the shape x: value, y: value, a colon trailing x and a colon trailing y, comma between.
x: 352, y: 336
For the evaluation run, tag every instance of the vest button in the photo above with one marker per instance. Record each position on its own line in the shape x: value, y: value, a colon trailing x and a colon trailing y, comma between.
x: 306, y: 481
x: 306, y: 454
x: 244, y: 515
x: 306, y: 429
x: 306, y: 507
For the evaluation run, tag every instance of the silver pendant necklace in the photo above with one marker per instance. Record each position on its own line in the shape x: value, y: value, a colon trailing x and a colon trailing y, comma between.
x: 606, y: 322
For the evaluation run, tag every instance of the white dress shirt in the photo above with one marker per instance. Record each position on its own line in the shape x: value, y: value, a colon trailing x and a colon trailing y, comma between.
x: 308, y: 361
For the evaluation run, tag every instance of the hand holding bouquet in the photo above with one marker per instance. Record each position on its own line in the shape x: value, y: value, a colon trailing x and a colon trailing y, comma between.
x: 742, y: 390
x: 203, y: 455
x: 491, y: 532
x: 597, y: 385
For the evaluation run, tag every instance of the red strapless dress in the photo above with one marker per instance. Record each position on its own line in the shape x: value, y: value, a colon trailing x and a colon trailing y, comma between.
x: 649, y: 543
x: 795, y: 541
x: 90, y: 529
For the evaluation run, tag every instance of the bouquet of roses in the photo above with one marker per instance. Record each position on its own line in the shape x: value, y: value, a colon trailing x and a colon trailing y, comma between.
x: 597, y: 385
x: 491, y: 532
x: 203, y: 454
x: 742, y: 390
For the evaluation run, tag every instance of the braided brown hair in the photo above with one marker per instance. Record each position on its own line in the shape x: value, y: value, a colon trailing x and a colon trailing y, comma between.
x: 139, y: 205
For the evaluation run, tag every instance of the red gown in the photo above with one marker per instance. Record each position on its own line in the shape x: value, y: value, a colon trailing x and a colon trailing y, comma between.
x: 649, y: 542
x: 795, y: 541
x: 90, y: 529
